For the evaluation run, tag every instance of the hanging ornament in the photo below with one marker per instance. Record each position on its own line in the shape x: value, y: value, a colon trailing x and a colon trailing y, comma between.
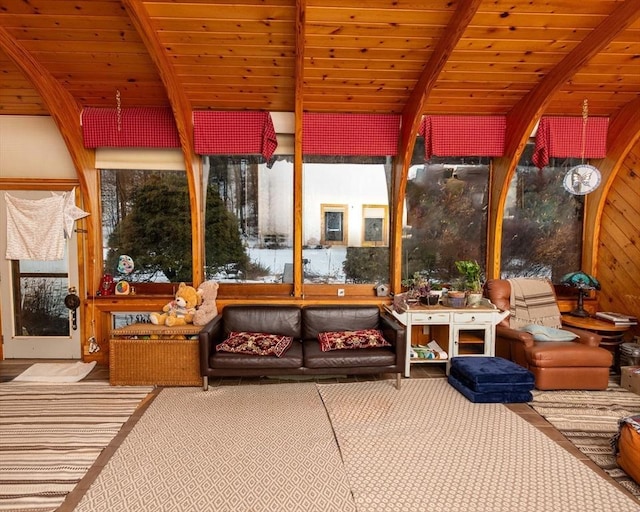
x: 584, y: 178
x: 118, y: 110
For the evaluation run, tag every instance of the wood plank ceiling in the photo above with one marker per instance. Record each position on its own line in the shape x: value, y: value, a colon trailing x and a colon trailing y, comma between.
x: 357, y: 56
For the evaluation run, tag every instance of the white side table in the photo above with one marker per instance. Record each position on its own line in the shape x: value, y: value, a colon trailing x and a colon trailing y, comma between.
x: 460, y: 332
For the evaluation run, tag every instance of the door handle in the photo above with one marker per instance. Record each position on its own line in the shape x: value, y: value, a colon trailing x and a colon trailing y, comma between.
x: 72, y: 302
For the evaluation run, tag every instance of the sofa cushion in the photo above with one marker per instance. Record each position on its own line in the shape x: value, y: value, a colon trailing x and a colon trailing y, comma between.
x: 290, y: 361
x: 317, y: 319
x: 335, y: 360
x: 567, y: 354
x: 545, y: 333
x: 285, y: 320
x: 256, y: 343
x: 340, y: 340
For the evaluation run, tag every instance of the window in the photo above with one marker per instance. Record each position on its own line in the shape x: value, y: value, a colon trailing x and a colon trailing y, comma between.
x: 146, y: 215
x: 375, y: 225
x: 39, y: 299
x: 345, y: 228
x: 446, y: 215
x: 333, y: 224
x: 248, y: 219
x: 542, y: 226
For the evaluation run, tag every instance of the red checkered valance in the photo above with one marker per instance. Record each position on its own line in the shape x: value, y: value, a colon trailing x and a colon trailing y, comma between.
x: 234, y: 133
x: 570, y: 137
x: 141, y: 127
x: 350, y: 134
x: 463, y: 135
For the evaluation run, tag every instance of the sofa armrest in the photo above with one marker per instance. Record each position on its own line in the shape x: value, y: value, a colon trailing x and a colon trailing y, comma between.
x: 396, y: 334
x: 514, y: 335
x: 588, y: 338
x: 210, y: 335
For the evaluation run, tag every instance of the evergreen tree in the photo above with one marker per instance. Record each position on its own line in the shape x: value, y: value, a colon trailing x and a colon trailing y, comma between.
x: 156, y: 231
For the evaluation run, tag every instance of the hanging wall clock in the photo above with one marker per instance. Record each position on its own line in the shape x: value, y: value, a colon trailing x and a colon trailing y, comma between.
x: 581, y: 179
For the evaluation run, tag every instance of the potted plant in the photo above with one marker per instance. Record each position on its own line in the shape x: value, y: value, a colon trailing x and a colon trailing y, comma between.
x: 470, y: 270
x: 419, y: 287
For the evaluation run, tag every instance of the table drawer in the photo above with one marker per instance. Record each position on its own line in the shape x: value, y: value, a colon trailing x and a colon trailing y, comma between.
x: 472, y: 318
x: 429, y: 318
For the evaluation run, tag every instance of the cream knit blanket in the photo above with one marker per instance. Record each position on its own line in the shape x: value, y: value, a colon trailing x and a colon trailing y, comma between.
x: 532, y: 301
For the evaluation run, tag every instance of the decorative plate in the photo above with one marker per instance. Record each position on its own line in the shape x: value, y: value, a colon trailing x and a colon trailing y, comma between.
x: 581, y: 179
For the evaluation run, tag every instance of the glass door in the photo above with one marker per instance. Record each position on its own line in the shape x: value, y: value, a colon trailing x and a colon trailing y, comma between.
x: 36, y: 324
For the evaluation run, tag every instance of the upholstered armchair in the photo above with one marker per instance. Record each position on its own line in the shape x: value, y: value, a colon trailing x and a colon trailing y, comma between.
x: 576, y: 364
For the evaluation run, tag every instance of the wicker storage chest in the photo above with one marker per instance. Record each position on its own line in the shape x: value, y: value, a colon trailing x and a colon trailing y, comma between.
x: 147, y: 354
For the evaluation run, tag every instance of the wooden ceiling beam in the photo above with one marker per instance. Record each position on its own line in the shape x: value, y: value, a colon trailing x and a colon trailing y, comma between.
x: 66, y: 112
x: 526, y: 113
x: 183, y: 116
x: 411, y: 118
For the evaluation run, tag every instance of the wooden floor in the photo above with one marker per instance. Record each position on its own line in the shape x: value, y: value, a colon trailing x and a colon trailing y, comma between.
x: 13, y: 367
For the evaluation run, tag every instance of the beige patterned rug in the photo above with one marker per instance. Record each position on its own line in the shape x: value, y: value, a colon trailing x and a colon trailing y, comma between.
x: 427, y: 448
x: 589, y: 419
x: 230, y: 449
x: 271, y: 447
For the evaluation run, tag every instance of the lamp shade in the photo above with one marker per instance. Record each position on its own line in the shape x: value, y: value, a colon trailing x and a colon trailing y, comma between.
x: 580, y: 280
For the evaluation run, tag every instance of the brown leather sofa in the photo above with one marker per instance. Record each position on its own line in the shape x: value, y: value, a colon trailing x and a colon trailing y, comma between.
x: 578, y: 364
x: 304, y: 357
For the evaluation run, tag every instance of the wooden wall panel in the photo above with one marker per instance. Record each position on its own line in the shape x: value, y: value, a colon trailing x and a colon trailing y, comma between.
x: 618, y: 266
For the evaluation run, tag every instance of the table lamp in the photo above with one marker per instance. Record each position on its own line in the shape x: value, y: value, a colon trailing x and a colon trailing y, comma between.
x: 583, y: 282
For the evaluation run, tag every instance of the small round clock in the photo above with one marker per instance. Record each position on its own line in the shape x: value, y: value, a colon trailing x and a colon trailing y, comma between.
x: 123, y: 288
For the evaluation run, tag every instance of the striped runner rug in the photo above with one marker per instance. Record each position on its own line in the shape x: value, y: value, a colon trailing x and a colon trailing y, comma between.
x: 589, y: 419
x: 50, y: 435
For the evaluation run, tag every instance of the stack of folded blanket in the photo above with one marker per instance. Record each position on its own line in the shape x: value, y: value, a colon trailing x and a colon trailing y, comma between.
x: 491, y: 379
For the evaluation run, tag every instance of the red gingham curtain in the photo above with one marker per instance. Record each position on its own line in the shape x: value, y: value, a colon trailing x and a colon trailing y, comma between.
x: 147, y: 127
x: 234, y: 133
x: 463, y: 135
x: 350, y: 134
x: 563, y: 137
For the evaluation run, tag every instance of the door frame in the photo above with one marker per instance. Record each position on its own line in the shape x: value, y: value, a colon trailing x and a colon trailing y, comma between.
x: 37, y: 347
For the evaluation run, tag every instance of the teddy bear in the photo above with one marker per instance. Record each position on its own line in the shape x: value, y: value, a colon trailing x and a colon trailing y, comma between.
x: 208, y: 309
x: 180, y: 310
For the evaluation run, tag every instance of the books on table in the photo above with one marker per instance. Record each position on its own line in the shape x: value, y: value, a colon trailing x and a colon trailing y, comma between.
x: 617, y: 318
x: 429, y: 351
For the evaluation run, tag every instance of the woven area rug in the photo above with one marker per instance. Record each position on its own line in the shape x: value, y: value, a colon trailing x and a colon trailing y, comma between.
x: 589, y: 419
x: 427, y: 448
x: 247, y: 448
x: 51, y: 435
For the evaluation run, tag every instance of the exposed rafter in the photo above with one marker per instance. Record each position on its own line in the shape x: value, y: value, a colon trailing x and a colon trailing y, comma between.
x: 412, y: 115
x: 526, y: 113
x: 183, y: 116
x: 65, y: 111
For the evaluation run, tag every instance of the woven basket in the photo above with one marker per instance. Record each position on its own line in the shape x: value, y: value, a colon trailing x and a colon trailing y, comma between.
x: 162, y: 362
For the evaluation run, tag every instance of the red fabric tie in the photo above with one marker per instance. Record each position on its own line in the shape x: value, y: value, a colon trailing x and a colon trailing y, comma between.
x: 463, y: 135
x: 350, y: 134
x: 146, y: 127
x: 234, y: 133
x: 568, y: 137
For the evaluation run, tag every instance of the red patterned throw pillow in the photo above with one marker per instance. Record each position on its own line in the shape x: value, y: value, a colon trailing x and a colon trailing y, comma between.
x: 364, y: 338
x: 256, y: 343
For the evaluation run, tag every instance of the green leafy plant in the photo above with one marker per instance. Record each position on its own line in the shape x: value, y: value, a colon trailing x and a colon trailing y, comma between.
x: 471, y: 271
